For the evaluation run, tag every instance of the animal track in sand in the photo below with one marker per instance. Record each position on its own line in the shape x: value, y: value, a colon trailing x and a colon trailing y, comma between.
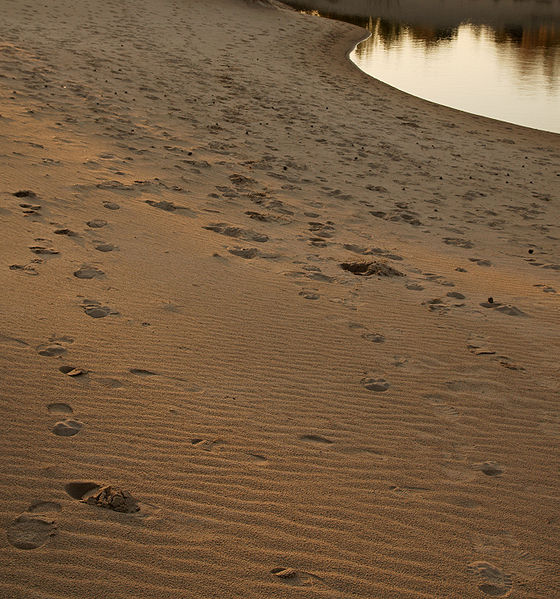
x: 491, y: 580
x: 230, y: 231
x: 367, y: 268
x: 67, y: 428
x: 103, y: 496
x: 375, y: 384
x: 88, y: 272
x: 34, y: 527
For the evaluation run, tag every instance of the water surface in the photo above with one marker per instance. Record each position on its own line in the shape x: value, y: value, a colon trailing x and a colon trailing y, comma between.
x: 497, y: 58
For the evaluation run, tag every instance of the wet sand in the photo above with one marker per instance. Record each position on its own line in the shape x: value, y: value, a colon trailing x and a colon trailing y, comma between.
x: 269, y: 328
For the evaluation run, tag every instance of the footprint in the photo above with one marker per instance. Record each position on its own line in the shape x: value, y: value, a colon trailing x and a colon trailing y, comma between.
x: 142, y: 372
x: 206, y: 444
x: 88, y: 272
x: 67, y: 428
x: 374, y: 384
x: 95, y: 310
x: 65, y: 231
x: 316, y: 439
x: 374, y: 337
x: 230, y: 231
x: 105, y: 247
x: 59, y: 408
x: 503, y: 308
x: 35, y: 526
x: 492, y: 581
x: 72, y: 371
x: 51, y: 350
x: 298, y: 578
x: 96, y: 223
x: 310, y: 295
x: 247, y: 253
x: 103, y: 496
x: 257, y: 458
x: 457, y: 241
x: 491, y: 469
x: 367, y: 268
x: 28, y: 269
x: 43, y: 250
x: 481, y: 261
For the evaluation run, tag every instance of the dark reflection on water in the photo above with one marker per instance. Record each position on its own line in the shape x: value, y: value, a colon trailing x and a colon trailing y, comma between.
x: 498, y: 58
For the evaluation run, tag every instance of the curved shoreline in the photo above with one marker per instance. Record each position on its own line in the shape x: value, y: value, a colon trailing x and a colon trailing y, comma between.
x: 246, y: 294
x: 354, y: 47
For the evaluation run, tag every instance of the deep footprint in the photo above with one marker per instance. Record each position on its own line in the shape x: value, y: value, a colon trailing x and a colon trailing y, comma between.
x: 103, y: 496
x: 67, y: 428
x: 373, y: 384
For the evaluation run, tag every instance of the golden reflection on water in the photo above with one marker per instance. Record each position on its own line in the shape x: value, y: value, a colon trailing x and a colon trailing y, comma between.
x: 505, y: 71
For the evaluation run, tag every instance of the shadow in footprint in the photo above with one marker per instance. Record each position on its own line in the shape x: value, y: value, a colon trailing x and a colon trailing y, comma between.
x: 374, y: 384
x: 316, y: 439
x: 67, y: 428
x: 103, y: 496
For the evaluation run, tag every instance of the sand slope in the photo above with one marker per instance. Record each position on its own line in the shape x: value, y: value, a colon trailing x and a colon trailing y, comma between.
x: 180, y: 185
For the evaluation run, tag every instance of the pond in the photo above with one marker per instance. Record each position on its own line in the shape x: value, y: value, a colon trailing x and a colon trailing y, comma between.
x: 496, y: 58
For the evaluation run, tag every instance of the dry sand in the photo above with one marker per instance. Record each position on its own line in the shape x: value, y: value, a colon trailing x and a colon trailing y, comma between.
x: 198, y: 401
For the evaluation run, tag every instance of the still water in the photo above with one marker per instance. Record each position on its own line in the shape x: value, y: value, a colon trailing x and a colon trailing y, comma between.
x: 497, y: 58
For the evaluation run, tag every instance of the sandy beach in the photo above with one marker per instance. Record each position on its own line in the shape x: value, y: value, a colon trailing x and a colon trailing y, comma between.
x: 269, y: 328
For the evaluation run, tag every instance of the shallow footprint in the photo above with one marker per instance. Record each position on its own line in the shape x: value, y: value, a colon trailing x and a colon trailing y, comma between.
x: 67, y: 428
x: 491, y: 469
x: 373, y: 384
x: 316, y: 439
x: 298, y: 578
x: 34, y: 527
x: 492, y: 581
x: 59, y: 408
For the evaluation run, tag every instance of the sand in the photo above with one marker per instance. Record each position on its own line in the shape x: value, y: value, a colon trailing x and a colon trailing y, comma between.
x: 198, y: 399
